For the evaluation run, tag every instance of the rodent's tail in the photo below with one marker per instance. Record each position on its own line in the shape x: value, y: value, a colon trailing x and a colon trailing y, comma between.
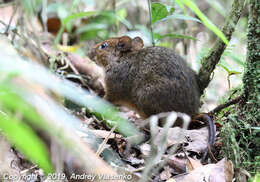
x: 212, y: 133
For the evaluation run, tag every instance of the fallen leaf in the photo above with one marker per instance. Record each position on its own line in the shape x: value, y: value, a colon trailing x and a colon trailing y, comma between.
x: 165, y: 174
x: 212, y: 173
x: 192, y: 164
x: 145, y: 149
x: 171, y: 180
x: 196, y: 139
x: 178, y: 164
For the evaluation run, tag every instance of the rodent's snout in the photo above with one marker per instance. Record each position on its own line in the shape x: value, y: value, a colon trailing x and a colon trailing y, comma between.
x: 92, y: 54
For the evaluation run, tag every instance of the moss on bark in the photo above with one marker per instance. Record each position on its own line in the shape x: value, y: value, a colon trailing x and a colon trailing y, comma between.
x: 241, y: 133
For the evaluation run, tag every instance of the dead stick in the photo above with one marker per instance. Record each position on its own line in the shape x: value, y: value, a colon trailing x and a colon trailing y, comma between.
x: 229, y: 103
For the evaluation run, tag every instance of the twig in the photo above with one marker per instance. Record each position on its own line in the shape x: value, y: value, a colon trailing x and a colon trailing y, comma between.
x: 137, y: 169
x: 185, y: 154
x: 150, y: 17
x: 222, y: 106
x: 210, y: 61
x: 101, y: 147
x: 15, y: 32
x: 26, y: 170
x: 212, y: 157
x: 11, y: 19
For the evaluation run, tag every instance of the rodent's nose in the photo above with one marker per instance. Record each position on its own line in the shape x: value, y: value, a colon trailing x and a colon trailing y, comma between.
x: 92, y: 54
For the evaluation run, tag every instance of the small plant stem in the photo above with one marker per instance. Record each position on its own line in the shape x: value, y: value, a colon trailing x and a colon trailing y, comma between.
x: 151, y: 26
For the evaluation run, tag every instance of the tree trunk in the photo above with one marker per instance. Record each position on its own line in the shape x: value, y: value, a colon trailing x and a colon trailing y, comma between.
x: 251, y: 79
x: 240, y: 135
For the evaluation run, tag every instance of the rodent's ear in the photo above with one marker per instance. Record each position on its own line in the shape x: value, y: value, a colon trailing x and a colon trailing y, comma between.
x: 137, y: 44
x: 124, y: 43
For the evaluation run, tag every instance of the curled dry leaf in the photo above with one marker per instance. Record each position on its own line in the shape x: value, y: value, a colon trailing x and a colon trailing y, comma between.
x: 192, y: 164
x: 196, y: 139
x: 178, y: 164
x: 220, y: 172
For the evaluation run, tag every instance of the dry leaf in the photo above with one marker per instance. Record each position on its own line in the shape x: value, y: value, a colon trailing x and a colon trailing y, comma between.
x: 166, y: 174
x: 212, y: 173
x: 85, y: 66
x: 178, y: 164
x: 145, y: 149
x: 196, y: 139
x: 171, y: 180
x: 192, y: 164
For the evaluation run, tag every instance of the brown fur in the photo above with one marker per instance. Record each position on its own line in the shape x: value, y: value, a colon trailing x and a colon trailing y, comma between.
x: 150, y: 80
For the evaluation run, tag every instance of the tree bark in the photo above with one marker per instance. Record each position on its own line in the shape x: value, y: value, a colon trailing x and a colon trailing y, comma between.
x: 251, y: 78
x: 240, y: 136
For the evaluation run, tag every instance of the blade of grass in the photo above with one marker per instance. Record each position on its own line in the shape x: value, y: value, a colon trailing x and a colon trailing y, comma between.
x: 204, y: 19
x: 180, y: 17
x: 26, y: 141
x: 177, y: 36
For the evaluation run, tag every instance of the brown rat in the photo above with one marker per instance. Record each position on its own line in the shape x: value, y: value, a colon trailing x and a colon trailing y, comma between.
x: 150, y: 80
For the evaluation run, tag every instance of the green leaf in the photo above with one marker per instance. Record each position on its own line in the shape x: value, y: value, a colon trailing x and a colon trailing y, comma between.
x: 90, y: 27
x: 122, y: 13
x: 121, y: 17
x: 79, y: 15
x: 170, y: 9
x: 14, y: 103
x: 256, y: 178
x: 159, y: 11
x: 204, y: 19
x: 230, y: 72
x: 180, y: 17
x: 17, y: 131
x: 26, y: 141
x: 176, y: 36
x: 71, y: 17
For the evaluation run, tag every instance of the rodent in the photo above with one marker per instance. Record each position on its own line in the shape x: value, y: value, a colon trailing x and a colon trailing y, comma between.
x: 149, y: 80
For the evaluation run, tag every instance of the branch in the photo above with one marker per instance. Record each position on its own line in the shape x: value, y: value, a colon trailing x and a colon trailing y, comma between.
x: 222, y: 106
x: 210, y: 61
x: 150, y: 17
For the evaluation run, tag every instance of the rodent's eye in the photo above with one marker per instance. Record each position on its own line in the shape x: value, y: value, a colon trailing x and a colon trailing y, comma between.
x: 120, y: 44
x: 103, y: 46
